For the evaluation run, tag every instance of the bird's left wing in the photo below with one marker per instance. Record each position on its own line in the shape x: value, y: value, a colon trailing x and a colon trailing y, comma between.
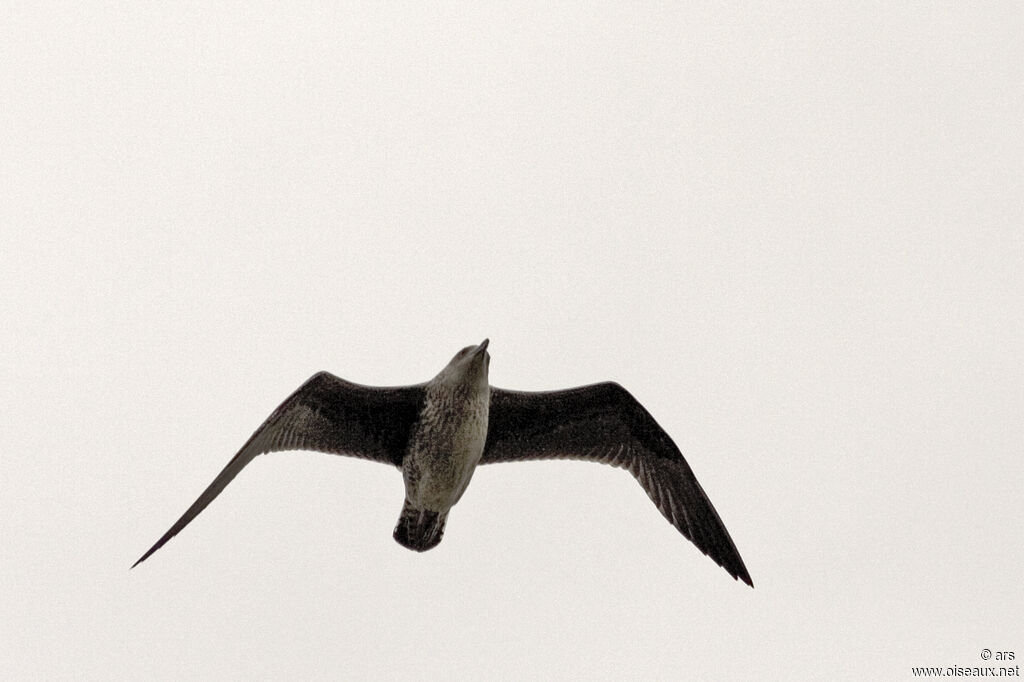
x: 604, y: 423
x: 325, y: 414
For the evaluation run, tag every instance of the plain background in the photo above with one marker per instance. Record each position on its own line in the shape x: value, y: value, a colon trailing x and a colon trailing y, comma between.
x: 793, y: 231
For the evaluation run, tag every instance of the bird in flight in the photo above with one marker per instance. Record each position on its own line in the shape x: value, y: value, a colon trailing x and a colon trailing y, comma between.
x: 439, y: 431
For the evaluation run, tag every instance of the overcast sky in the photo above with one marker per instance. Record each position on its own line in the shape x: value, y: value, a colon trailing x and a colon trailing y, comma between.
x: 793, y: 233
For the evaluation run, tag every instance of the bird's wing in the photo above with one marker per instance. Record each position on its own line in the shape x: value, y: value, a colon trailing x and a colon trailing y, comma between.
x: 326, y: 414
x: 604, y: 423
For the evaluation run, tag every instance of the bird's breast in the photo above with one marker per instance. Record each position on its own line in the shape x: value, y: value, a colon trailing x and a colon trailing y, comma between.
x: 445, y: 448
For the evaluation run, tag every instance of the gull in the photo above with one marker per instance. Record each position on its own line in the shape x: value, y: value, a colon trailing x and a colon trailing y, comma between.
x: 437, y: 433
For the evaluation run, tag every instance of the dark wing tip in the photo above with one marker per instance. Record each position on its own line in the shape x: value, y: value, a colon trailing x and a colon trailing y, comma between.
x: 141, y: 559
x: 718, y: 546
x: 161, y: 542
x: 740, y: 573
x: 722, y: 553
x: 737, y: 568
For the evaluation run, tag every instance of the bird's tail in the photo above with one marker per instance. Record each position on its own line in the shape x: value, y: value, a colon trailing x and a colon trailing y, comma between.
x: 420, y: 529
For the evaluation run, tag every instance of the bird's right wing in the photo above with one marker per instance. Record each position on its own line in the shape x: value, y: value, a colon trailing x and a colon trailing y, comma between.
x: 604, y: 423
x: 325, y: 414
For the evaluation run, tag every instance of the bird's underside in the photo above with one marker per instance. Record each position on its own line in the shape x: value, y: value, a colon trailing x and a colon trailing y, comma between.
x: 601, y: 423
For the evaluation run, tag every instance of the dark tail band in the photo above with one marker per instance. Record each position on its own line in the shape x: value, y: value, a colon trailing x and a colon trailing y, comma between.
x: 420, y: 529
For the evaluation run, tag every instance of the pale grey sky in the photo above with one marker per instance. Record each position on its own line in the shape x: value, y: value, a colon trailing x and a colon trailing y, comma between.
x: 793, y: 232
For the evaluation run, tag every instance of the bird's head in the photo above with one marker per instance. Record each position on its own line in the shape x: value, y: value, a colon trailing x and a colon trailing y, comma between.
x: 468, y: 367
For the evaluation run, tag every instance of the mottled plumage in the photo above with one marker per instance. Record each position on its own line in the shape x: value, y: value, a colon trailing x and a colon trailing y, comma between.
x: 439, y: 431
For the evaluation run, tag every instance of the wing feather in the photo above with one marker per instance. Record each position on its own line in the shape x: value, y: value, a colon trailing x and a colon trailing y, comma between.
x: 325, y: 414
x: 604, y: 423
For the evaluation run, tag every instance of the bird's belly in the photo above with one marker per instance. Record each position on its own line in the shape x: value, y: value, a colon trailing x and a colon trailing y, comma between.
x: 440, y: 485
x: 438, y: 470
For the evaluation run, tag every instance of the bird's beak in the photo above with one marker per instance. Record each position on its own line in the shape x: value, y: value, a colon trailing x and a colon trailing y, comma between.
x: 482, y: 347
